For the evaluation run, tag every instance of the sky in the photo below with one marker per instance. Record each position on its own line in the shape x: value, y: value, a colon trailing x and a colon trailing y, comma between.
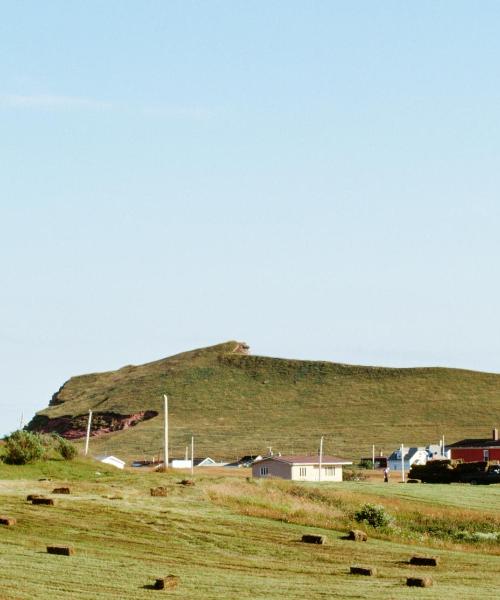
x: 317, y: 179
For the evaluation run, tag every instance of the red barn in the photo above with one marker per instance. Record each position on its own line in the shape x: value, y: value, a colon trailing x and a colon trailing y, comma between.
x: 476, y: 450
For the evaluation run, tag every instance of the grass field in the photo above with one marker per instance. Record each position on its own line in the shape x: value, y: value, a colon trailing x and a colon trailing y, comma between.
x: 229, y: 538
x: 236, y: 404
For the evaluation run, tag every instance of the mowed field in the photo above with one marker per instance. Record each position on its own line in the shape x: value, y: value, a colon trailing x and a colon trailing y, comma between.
x: 228, y: 537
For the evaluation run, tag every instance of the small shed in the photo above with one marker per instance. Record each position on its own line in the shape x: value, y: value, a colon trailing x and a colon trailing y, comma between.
x: 111, y: 460
x: 300, y: 467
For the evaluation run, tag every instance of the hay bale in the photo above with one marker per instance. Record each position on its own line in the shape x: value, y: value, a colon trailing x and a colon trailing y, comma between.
x: 30, y: 497
x: 43, y: 501
x: 62, y: 550
x: 165, y: 583
x: 159, y: 491
x: 426, y: 561
x: 419, y: 582
x: 187, y: 482
x: 8, y: 521
x: 356, y: 535
x: 61, y: 490
x: 369, y: 571
x: 314, y: 539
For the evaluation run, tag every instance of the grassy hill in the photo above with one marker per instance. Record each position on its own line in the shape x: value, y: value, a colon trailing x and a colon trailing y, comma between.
x: 235, y: 403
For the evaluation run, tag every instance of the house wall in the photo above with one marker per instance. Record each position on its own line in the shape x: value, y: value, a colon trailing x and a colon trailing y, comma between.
x: 474, y: 454
x: 275, y: 469
x: 419, y: 458
x: 287, y: 471
x: 180, y: 464
x: 312, y: 473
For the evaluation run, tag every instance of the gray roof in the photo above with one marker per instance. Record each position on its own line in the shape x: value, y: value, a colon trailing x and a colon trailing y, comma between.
x: 302, y: 459
x: 410, y: 452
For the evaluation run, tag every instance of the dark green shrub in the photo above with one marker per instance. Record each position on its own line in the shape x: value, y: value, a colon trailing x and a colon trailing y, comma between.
x: 22, y: 447
x: 66, y: 449
x: 63, y: 447
x: 374, y: 515
x: 365, y: 464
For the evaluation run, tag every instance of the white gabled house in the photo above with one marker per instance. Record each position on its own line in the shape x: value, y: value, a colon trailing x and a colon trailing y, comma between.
x: 300, y: 467
x: 412, y: 456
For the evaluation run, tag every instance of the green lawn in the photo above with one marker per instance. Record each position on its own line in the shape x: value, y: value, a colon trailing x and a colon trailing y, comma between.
x: 124, y: 539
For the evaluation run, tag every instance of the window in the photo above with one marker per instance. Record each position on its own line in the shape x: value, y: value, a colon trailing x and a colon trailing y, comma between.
x: 329, y: 471
x: 264, y: 470
x: 302, y: 471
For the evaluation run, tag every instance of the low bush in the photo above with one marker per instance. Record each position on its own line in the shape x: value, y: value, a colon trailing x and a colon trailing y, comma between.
x: 374, y: 515
x: 23, y: 447
x: 353, y: 475
x: 66, y: 449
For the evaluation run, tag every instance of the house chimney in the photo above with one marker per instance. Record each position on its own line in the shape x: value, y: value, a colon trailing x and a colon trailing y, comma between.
x: 495, y: 434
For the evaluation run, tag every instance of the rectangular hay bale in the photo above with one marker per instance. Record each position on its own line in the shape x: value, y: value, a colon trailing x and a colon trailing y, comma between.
x: 43, y: 501
x: 30, y: 497
x: 61, y: 550
x: 369, y: 571
x: 314, y: 539
x: 159, y: 491
x: 426, y: 561
x: 419, y: 582
x: 61, y: 490
x: 9, y: 521
x: 356, y: 535
x: 165, y: 583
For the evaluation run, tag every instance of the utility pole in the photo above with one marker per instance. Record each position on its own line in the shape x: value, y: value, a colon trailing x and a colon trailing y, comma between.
x: 192, y: 455
x: 88, y: 433
x: 403, y: 462
x: 373, y: 457
x: 320, y: 457
x: 21, y: 422
x: 165, y: 433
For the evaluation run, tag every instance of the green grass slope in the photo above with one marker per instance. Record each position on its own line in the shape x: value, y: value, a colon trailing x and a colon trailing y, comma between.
x: 236, y: 404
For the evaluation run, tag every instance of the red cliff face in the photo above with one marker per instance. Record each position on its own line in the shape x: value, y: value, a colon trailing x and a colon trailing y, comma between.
x: 73, y: 428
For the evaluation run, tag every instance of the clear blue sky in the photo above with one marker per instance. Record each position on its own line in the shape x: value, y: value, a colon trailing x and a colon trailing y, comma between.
x: 318, y: 179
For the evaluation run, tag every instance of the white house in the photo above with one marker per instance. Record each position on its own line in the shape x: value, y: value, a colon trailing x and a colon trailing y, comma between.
x: 111, y: 460
x: 300, y: 468
x: 412, y: 456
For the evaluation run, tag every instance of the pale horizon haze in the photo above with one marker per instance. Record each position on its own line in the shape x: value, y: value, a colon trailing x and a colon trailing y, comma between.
x: 317, y: 179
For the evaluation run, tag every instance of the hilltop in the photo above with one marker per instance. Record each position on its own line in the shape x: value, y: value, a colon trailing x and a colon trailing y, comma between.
x: 235, y: 403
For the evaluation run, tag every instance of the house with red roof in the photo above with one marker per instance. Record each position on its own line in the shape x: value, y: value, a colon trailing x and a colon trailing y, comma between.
x: 301, y: 467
